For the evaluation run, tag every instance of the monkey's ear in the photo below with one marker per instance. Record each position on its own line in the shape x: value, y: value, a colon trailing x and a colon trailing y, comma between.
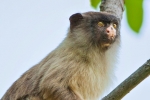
x: 75, y: 19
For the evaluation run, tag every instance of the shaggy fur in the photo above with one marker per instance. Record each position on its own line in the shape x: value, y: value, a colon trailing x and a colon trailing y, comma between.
x: 80, y: 68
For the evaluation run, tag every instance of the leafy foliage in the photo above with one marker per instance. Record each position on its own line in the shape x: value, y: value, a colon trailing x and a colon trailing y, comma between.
x: 134, y: 10
x: 94, y: 3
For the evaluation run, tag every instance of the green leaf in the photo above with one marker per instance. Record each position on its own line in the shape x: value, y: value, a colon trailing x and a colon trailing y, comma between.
x: 134, y: 10
x: 94, y: 3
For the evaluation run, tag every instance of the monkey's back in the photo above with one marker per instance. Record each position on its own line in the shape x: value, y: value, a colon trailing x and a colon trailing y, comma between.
x: 27, y: 84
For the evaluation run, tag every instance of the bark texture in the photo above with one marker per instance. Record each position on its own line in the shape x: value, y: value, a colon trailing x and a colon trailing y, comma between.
x: 115, y: 7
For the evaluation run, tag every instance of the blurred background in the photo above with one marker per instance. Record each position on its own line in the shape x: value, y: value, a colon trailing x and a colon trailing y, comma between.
x: 30, y: 29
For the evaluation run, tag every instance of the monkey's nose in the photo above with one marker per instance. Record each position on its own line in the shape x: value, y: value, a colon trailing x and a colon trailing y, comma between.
x: 107, y: 31
x: 110, y: 32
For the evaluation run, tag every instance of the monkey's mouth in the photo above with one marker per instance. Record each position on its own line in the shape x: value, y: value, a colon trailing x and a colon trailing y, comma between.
x: 106, y: 45
x: 107, y: 41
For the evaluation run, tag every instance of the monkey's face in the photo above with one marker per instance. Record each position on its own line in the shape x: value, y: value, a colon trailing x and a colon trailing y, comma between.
x: 99, y: 28
x: 105, y: 32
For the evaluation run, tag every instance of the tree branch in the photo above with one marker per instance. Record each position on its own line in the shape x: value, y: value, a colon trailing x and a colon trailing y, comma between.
x: 127, y: 85
x: 114, y: 7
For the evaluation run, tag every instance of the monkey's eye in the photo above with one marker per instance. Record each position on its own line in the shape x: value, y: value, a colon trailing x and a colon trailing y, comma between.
x: 100, y: 24
x: 115, y: 26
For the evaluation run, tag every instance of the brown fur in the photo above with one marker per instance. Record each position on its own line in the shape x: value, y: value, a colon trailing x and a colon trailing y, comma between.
x: 80, y: 68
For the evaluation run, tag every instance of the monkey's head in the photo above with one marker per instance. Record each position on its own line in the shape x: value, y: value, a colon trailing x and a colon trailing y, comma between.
x: 97, y: 28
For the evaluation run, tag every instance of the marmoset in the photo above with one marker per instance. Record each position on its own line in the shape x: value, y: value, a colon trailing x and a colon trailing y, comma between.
x: 80, y: 68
